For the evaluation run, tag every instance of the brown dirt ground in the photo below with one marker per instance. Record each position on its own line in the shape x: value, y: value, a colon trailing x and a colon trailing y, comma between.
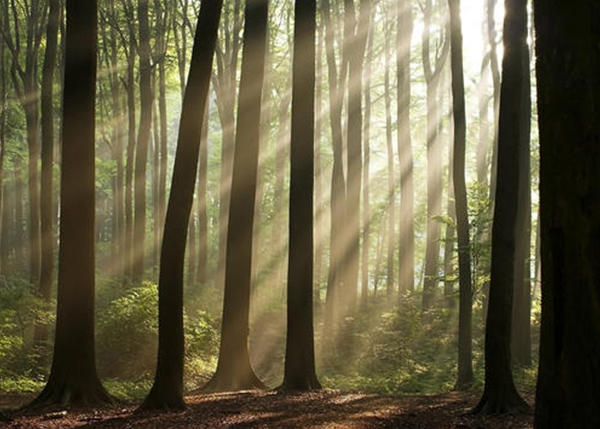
x: 259, y: 409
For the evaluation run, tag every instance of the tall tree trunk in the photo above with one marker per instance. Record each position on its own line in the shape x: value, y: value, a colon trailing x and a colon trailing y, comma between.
x: 143, y: 140
x: 167, y: 390
x: 366, y: 219
x: 73, y: 379
x: 299, y: 370
x: 521, y: 328
x: 202, y: 273
x: 225, y: 88
x: 356, y: 45
x: 568, y: 71
x: 391, y: 182
x: 338, y: 182
x: 434, y: 157
x: 500, y: 394
x: 406, y: 238
x: 465, y: 364
x: 130, y: 152
x: 46, y: 215
x: 234, y: 370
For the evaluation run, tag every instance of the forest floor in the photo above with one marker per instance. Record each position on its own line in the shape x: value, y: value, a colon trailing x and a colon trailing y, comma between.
x: 258, y: 409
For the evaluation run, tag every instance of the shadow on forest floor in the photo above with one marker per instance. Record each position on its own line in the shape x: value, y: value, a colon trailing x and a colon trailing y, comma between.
x: 322, y: 409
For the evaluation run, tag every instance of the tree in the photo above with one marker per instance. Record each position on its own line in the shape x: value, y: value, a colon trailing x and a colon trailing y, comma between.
x: 434, y: 152
x: 234, y: 370
x: 299, y: 372
x: 73, y: 378
x: 500, y: 394
x: 465, y: 365
x: 167, y: 390
x: 338, y: 181
x: 143, y: 140
x: 47, y: 155
x: 568, y: 71
x: 406, y: 238
x: 24, y: 73
x: 521, y: 327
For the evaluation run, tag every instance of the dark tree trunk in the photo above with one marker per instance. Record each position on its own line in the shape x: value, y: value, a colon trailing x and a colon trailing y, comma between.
x: 167, y: 390
x: 568, y: 72
x: 73, y: 379
x: 521, y: 329
x: 465, y: 364
x: 500, y: 394
x: 299, y: 371
x: 234, y: 370
x: 406, y: 240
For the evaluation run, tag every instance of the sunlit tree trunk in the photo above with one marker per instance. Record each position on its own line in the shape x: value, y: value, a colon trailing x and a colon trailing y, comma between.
x: 131, y: 141
x: 167, y: 390
x: 391, y: 185
x: 366, y: 211
x: 202, y: 270
x: 500, y: 394
x: 225, y: 89
x: 3, y: 129
x: 143, y: 141
x: 406, y: 238
x: 73, y: 378
x: 338, y: 182
x: 434, y: 155
x: 234, y: 370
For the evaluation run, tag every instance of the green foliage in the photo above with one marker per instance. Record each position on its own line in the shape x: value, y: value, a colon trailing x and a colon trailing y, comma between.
x: 128, y: 337
x: 19, y: 310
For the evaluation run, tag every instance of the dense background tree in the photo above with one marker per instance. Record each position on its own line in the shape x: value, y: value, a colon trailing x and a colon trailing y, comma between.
x: 73, y: 378
x: 568, y: 384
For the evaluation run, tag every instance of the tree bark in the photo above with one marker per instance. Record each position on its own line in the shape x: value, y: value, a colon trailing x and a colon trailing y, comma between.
x: 568, y: 71
x: 465, y: 364
x: 500, y: 394
x: 234, y: 370
x: 73, y: 379
x: 299, y: 370
x: 406, y: 237
x: 167, y: 390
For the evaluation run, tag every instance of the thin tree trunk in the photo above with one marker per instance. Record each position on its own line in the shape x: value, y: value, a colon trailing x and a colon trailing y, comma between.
x: 406, y: 238
x: 465, y: 311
